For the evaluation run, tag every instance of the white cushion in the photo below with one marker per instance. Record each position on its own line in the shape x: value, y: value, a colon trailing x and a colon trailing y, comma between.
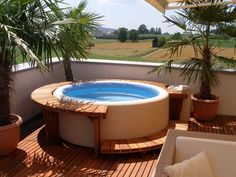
x: 196, y: 166
x: 221, y: 154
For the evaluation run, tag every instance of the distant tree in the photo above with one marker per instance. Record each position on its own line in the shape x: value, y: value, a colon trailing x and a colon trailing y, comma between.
x: 152, y: 31
x: 176, y: 36
x: 156, y: 30
x: 133, y: 35
x: 161, y: 41
x: 142, y: 29
x: 159, y: 31
x: 217, y: 31
x: 122, y: 34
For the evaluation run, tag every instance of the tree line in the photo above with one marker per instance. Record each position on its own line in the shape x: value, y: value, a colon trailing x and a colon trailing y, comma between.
x: 123, y: 34
x: 142, y: 29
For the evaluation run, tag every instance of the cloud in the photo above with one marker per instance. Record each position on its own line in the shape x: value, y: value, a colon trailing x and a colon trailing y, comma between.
x: 120, y: 2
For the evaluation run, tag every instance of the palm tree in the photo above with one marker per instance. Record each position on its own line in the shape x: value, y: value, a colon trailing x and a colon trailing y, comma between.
x: 75, y: 37
x: 23, y: 34
x: 199, y: 22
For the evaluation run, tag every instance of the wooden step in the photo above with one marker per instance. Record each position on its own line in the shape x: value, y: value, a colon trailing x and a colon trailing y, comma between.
x: 140, y: 144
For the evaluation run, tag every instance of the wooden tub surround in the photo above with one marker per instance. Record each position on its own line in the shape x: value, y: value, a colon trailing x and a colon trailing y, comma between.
x: 51, y: 106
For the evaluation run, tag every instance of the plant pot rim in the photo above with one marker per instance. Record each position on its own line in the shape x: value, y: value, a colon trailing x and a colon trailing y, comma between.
x: 16, y: 123
x: 217, y: 99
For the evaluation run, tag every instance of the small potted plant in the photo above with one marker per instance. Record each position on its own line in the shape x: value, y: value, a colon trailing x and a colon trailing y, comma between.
x: 199, y: 22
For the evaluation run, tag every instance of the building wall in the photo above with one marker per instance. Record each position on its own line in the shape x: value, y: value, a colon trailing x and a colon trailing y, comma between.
x: 26, y: 80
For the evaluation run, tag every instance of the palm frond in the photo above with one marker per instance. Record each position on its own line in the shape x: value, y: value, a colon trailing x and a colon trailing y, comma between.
x: 229, y: 29
x: 164, y: 67
x: 75, y: 36
x: 175, y: 46
x: 65, y: 21
x: 176, y: 21
x: 194, y: 69
x: 25, y: 49
x: 228, y: 62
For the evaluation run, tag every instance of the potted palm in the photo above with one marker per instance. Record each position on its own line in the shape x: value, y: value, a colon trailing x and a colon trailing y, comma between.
x: 199, y: 22
x: 22, y: 36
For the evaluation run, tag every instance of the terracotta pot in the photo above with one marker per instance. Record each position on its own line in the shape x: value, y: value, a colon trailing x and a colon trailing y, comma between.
x: 205, y: 109
x: 10, y: 136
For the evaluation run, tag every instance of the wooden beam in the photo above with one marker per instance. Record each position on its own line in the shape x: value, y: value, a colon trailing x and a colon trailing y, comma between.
x: 51, y: 125
x: 200, y: 5
x: 163, y: 5
x: 158, y: 4
x: 96, y: 128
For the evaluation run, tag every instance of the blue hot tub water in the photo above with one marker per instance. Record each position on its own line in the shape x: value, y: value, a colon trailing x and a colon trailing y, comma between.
x: 109, y: 91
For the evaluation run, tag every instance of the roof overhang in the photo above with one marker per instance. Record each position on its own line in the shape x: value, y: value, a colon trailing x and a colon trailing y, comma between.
x: 163, y: 5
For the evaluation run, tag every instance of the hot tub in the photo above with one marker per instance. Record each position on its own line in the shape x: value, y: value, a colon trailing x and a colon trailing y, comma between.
x: 135, y: 109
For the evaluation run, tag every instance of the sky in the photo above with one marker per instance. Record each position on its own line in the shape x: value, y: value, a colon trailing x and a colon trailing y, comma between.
x: 128, y: 13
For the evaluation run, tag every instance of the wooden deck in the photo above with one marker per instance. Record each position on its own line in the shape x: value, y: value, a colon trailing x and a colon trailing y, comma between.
x: 140, y: 144
x: 36, y: 157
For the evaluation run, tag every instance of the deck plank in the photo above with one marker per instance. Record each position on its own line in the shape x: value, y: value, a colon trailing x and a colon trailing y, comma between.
x: 140, y: 144
x: 136, y: 168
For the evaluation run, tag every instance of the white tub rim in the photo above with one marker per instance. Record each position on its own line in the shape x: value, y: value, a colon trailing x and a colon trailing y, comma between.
x: 163, y: 94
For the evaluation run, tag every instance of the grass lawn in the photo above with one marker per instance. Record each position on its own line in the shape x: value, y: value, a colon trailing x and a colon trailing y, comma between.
x: 19, y: 58
x: 229, y: 43
x: 103, y: 41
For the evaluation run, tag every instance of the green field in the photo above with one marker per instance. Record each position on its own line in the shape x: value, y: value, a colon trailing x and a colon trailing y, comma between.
x: 111, y: 49
x: 229, y: 43
x: 103, y: 41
